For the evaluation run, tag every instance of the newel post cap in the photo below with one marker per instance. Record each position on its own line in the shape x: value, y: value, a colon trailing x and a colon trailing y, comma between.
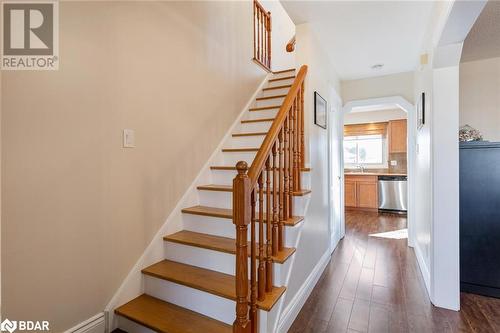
x: 242, y: 167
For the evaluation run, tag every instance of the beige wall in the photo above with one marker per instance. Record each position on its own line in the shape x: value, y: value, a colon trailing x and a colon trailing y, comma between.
x: 480, y: 96
x: 400, y: 84
x: 78, y: 209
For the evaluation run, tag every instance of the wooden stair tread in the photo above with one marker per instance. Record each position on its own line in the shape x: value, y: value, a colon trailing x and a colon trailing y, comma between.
x: 270, y: 97
x: 213, y: 282
x: 278, y: 87
x: 250, y: 134
x: 257, y: 120
x: 229, y: 188
x: 218, y: 243
x: 228, y: 214
x: 285, y: 70
x: 265, y: 108
x: 227, y: 167
x: 209, y: 211
x: 239, y: 150
x: 283, y: 78
x: 165, y: 317
x: 246, y: 149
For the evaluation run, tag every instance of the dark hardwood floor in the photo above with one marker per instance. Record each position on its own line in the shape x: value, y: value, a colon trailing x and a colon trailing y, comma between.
x: 374, y: 285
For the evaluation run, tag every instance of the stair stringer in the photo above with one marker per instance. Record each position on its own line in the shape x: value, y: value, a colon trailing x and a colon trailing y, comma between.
x: 133, y: 285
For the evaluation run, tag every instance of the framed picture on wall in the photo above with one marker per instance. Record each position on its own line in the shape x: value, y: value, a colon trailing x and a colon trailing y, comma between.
x: 320, y: 106
x: 421, y: 111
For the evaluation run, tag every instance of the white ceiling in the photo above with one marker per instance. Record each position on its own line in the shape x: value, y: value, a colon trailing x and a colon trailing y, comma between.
x: 360, y: 34
x: 483, y: 41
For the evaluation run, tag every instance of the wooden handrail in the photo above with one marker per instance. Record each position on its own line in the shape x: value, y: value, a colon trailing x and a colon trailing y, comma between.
x: 290, y: 46
x: 275, y: 176
x: 265, y: 148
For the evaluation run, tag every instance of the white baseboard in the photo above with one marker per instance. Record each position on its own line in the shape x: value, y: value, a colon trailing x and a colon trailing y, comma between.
x: 423, y: 268
x: 96, y: 324
x: 292, y: 310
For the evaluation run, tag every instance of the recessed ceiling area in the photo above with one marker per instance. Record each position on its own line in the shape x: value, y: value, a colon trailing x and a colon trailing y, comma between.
x: 483, y: 41
x: 361, y: 34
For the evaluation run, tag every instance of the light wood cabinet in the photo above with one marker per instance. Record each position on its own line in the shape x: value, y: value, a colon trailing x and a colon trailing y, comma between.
x: 367, y: 194
x: 361, y: 191
x: 350, y: 193
x: 397, y: 133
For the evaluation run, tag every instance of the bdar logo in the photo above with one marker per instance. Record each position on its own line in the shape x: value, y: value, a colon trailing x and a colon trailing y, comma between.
x: 8, y: 325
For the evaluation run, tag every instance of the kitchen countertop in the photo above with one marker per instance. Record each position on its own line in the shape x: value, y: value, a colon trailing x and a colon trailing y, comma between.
x: 374, y: 173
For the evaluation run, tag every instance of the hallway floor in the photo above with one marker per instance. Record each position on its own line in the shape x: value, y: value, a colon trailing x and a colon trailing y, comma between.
x: 374, y: 285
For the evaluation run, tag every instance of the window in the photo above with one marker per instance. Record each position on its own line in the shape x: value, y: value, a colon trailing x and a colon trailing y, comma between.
x: 364, y: 149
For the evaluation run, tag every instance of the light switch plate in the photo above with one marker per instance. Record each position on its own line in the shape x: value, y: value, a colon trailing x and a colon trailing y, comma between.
x: 128, y: 138
x: 394, y: 163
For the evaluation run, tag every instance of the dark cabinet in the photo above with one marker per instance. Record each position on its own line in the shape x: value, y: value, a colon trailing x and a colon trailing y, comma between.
x: 480, y: 218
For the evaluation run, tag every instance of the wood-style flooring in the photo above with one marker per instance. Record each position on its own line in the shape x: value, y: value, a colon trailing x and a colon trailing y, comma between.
x: 374, y: 285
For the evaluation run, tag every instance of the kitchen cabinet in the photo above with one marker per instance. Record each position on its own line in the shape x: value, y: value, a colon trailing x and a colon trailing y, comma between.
x: 350, y: 193
x: 367, y: 194
x: 397, y: 133
x: 361, y: 191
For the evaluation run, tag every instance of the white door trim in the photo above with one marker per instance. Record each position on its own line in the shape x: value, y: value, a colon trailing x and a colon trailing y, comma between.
x: 335, y: 108
x: 402, y: 103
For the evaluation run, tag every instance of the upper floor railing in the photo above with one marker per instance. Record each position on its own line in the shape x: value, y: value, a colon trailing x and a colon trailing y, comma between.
x: 261, y: 36
x: 263, y: 197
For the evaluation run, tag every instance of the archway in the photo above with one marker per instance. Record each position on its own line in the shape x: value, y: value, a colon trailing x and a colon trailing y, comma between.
x: 383, y: 103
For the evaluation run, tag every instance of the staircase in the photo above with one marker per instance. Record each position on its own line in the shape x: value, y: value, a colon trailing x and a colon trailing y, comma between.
x: 204, y: 275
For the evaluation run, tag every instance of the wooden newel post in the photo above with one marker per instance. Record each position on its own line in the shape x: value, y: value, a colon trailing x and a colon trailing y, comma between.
x: 241, y: 219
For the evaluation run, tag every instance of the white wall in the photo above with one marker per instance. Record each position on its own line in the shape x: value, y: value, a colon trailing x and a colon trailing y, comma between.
x: 445, y: 271
x: 373, y: 116
x: 437, y: 225
x: 314, y: 243
x: 283, y: 29
x: 480, y: 96
x: 423, y: 188
x: 400, y: 84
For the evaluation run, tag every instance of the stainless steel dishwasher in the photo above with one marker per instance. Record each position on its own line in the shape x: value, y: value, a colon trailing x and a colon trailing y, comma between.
x: 393, y: 193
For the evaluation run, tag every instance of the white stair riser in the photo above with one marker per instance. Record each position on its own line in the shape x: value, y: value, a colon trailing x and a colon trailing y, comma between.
x: 225, y: 177
x: 284, y: 74
x: 231, y: 158
x: 262, y: 114
x: 213, y: 260
x: 280, y: 82
x: 209, y: 225
x: 269, y: 102
x: 281, y: 91
x: 131, y: 326
x: 223, y: 199
x: 196, y: 300
x: 225, y: 228
x: 261, y: 126
x: 245, y: 141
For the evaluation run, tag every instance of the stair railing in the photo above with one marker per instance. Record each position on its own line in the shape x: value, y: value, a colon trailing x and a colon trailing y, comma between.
x: 261, y: 36
x: 263, y: 195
